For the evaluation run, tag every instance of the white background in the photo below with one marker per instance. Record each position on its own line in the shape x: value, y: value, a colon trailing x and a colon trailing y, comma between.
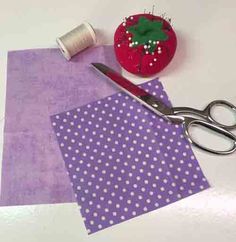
x: 202, y: 70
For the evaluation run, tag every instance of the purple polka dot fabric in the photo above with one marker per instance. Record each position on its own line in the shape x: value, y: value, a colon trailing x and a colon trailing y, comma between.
x: 123, y: 160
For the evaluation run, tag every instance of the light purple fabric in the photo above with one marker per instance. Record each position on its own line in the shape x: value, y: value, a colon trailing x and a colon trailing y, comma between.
x: 41, y: 83
x: 123, y: 160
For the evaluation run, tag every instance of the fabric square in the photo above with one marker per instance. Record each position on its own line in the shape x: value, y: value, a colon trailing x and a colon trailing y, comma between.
x: 40, y: 82
x: 123, y: 160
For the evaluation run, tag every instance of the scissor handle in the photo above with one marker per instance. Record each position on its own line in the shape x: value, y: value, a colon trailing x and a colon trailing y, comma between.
x: 208, y: 112
x: 190, y: 122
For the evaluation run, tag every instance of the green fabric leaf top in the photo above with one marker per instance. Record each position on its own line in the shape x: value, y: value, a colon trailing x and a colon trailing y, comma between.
x: 147, y: 32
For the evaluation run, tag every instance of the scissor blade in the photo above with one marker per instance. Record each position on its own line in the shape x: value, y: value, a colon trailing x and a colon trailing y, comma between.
x: 151, y: 102
x: 120, y: 80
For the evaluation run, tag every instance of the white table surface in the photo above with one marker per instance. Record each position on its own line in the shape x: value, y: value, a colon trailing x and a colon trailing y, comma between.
x: 202, y: 70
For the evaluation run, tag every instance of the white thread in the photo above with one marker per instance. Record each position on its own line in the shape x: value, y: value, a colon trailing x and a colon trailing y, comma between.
x: 76, y: 40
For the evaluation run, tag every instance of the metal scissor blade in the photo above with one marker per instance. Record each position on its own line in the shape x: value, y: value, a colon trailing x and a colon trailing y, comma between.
x: 151, y: 102
x: 120, y: 80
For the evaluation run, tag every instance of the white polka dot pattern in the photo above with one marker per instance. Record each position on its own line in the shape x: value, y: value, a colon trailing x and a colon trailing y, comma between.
x: 123, y: 160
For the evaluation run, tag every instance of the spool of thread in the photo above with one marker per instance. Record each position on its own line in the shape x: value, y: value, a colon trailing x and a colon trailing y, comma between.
x: 77, y: 40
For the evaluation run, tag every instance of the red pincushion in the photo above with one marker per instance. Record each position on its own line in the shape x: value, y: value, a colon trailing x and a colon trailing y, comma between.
x: 154, y: 44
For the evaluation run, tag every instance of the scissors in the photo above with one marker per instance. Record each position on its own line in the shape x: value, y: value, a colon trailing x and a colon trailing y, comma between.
x: 177, y: 115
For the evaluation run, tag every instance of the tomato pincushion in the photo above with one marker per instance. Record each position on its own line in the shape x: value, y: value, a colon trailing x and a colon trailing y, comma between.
x: 144, y: 44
